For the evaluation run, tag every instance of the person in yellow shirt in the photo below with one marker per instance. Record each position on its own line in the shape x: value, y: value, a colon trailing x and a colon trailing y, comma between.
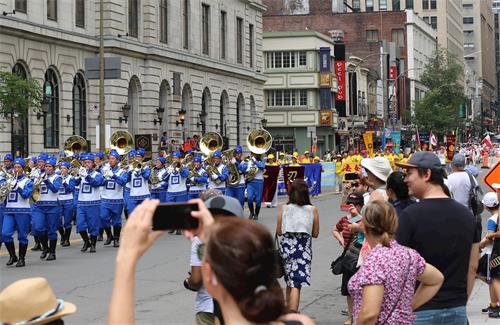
x: 271, y: 160
x: 295, y: 159
x: 306, y: 159
x: 281, y: 159
x: 339, y: 174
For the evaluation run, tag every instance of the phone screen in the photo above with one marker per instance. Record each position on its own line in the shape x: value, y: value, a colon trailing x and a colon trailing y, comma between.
x: 351, y: 176
x: 170, y: 216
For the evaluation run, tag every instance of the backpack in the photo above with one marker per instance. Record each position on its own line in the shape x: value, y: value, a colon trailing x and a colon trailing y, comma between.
x: 475, y: 196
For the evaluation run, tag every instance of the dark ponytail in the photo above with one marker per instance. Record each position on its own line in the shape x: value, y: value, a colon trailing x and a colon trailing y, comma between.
x: 264, y: 305
x: 242, y: 256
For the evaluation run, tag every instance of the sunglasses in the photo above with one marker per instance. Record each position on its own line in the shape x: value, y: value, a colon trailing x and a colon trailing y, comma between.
x: 200, y: 251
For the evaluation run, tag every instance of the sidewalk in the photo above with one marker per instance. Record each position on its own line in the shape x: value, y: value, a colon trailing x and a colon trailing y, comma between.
x: 479, y: 299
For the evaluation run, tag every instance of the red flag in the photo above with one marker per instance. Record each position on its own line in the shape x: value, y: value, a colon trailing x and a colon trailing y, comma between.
x: 270, y: 182
x: 487, y: 141
x: 291, y: 173
x: 418, y: 137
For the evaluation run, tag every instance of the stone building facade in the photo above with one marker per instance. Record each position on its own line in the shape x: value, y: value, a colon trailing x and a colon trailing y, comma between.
x: 202, y: 56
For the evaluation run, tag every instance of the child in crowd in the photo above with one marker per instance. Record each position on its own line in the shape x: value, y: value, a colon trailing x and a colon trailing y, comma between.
x: 342, y: 233
x: 491, y: 204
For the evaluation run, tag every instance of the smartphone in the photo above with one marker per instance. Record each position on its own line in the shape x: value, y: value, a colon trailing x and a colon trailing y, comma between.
x: 169, y: 216
x: 351, y: 176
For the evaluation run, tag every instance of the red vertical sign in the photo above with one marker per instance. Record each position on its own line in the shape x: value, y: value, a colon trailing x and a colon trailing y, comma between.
x: 340, y: 74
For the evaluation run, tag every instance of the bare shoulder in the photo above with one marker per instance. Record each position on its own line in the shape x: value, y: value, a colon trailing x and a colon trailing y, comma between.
x: 299, y: 318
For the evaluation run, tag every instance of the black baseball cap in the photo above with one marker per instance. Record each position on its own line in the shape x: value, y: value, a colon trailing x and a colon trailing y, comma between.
x: 422, y: 159
x: 355, y: 198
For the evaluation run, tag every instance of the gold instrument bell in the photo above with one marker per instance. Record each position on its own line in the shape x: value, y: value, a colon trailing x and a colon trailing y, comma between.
x: 211, y: 142
x: 74, y: 143
x: 122, y: 142
x: 259, y: 141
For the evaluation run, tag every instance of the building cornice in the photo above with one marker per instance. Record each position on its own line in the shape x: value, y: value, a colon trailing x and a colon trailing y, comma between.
x: 114, y: 45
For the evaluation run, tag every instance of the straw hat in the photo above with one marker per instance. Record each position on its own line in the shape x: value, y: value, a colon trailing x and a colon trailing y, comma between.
x: 32, y: 299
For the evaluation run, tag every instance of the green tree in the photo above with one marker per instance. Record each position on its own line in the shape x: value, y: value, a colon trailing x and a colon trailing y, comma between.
x: 439, y: 110
x: 19, y: 96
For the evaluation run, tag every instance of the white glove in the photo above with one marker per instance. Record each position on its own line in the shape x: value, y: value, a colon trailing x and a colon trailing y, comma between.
x: 214, y: 176
x: 192, y: 179
x: 82, y: 172
x: 109, y: 173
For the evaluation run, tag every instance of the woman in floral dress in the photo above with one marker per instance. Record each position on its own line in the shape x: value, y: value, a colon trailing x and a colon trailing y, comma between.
x: 297, y: 224
x: 383, y: 288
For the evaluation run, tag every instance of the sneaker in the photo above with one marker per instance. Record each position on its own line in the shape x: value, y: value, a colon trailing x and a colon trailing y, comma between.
x: 487, y: 309
x: 494, y: 312
x: 344, y: 312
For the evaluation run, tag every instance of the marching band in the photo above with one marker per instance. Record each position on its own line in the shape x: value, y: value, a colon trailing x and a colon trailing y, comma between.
x: 43, y: 195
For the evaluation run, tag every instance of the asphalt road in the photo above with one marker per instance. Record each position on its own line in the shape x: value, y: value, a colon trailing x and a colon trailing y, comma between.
x: 86, y: 279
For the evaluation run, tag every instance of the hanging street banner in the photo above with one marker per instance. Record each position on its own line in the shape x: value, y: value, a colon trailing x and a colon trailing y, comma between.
x: 368, y: 139
x: 450, y: 146
x: 396, y: 141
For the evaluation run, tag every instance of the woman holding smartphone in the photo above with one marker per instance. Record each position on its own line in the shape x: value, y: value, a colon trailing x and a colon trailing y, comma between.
x: 238, y: 269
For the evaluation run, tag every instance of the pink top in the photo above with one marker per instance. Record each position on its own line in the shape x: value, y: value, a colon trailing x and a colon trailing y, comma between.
x: 388, y: 266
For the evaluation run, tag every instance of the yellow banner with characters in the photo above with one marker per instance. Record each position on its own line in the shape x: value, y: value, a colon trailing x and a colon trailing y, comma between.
x: 368, y: 138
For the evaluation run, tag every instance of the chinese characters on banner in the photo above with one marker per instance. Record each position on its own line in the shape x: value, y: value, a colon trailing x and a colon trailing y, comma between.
x: 368, y: 138
x: 450, y: 146
x: 340, y: 74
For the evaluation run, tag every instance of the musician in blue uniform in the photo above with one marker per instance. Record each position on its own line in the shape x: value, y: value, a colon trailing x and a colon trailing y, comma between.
x: 177, y: 180
x: 35, y: 174
x: 17, y: 215
x: 66, y: 202
x: 139, y: 187
x: 159, y: 190
x: 197, y: 183
x: 89, y: 203
x: 126, y: 189
x: 238, y: 191
x: 3, y: 181
x: 218, y: 179
x: 46, y: 211
x: 98, y: 160
x: 115, y: 179
x: 255, y: 186
x: 7, y: 162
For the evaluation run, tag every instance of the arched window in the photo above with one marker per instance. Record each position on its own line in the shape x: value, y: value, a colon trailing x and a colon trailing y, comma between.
x: 224, y: 103
x: 51, y: 119
x: 205, y: 108
x: 79, y: 106
x: 164, y: 104
x: 187, y: 104
x: 19, y: 123
x: 240, y: 107
x: 133, y: 102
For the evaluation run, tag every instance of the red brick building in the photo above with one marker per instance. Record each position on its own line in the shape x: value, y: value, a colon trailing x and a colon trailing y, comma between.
x: 362, y: 34
x: 358, y: 28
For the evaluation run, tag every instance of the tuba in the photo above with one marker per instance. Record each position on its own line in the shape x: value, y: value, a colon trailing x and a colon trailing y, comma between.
x: 259, y: 141
x: 209, y: 143
x: 122, y: 142
x: 74, y: 144
x: 8, y: 185
x: 234, y: 174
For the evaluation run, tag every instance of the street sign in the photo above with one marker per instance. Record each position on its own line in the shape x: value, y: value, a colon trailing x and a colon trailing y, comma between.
x: 112, y: 68
x: 492, y: 177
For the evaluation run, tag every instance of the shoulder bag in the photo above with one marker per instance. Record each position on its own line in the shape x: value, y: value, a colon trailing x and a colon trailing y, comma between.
x: 474, y: 196
x: 337, y: 264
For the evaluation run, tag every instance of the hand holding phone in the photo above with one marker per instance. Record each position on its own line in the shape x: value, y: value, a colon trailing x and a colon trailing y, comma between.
x: 169, y: 216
